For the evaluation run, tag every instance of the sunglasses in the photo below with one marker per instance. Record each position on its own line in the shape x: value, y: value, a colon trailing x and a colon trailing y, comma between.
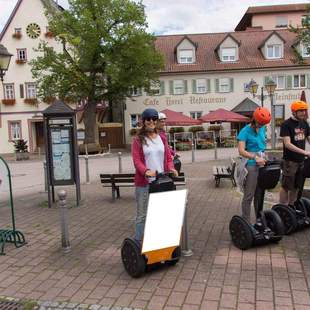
x: 154, y: 119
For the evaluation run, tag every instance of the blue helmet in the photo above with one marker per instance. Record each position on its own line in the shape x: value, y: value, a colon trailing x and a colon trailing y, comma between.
x: 149, y: 113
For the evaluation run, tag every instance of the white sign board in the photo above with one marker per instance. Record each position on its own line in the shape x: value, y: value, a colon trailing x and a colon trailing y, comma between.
x: 4, y: 179
x: 164, y: 220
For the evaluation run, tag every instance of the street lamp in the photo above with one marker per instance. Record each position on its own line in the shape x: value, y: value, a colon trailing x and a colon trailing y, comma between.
x: 5, y: 58
x: 253, y: 86
x: 270, y: 87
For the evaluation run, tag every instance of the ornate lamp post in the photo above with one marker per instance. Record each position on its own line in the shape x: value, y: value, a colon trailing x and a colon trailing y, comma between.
x: 270, y: 87
x: 5, y: 58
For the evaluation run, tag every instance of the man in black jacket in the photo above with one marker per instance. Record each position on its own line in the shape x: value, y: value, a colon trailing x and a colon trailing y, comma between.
x: 294, y: 131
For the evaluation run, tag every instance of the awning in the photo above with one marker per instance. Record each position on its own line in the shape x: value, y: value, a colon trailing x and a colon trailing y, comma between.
x: 222, y: 115
x: 178, y: 119
x: 246, y: 107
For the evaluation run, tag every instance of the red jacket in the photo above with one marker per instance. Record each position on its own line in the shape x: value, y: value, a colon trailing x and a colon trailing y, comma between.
x: 139, y: 161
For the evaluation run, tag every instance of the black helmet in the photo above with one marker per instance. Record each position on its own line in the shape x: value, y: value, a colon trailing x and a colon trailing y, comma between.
x: 149, y: 113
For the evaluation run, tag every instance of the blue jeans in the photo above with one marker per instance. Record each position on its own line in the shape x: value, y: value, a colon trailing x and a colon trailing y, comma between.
x: 142, y: 197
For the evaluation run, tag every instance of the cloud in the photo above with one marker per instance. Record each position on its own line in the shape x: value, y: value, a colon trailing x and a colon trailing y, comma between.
x: 182, y: 16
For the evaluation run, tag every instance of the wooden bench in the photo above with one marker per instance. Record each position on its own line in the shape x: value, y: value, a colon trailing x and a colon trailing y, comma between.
x: 224, y: 172
x: 117, y: 180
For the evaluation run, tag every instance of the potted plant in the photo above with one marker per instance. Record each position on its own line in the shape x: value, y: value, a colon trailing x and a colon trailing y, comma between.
x: 49, y: 34
x: 21, y: 149
x: 16, y: 35
x: 20, y: 61
x: 8, y: 101
x: 31, y: 101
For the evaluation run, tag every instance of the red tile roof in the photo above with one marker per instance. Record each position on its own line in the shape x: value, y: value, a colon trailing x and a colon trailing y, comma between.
x: 250, y: 56
x: 268, y: 9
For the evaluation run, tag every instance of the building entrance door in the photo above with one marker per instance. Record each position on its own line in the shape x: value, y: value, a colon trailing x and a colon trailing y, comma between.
x: 39, y: 134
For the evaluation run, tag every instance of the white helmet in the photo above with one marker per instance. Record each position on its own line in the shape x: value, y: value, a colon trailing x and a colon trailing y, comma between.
x: 162, y: 115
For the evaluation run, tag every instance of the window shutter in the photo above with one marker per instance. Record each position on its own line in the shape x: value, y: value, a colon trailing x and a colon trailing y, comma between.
x: 185, y: 86
x: 194, y: 89
x: 21, y: 90
x: 289, y: 82
x: 308, y: 81
x: 217, y: 85
x: 162, y: 87
x: 231, y: 84
x: 171, y: 87
x: 208, y: 83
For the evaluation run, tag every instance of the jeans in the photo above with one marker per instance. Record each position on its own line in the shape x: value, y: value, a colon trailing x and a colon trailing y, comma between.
x: 249, y: 192
x: 142, y: 197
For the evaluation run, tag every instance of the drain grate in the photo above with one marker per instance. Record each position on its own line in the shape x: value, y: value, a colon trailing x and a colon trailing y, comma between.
x: 11, y: 305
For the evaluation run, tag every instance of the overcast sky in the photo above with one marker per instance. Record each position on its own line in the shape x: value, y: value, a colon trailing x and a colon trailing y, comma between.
x: 182, y: 16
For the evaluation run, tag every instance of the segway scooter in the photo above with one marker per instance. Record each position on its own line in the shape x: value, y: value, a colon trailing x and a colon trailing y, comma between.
x: 268, y: 227
x: 138, y: 258
x: 297, y: 216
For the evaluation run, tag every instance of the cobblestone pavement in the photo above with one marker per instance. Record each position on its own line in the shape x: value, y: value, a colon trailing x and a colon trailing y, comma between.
x: 217, y: 276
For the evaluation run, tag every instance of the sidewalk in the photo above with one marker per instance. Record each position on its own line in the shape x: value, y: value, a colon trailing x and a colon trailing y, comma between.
x: 217, y: 276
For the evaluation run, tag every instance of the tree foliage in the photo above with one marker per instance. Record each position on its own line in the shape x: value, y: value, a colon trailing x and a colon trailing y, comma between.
x: 104, y: 52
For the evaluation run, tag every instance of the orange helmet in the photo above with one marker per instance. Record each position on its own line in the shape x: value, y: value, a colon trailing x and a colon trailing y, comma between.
x: 262, y: 116
x: 299, y: 105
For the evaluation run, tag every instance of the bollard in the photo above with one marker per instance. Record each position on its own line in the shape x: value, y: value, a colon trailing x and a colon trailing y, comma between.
x: 87, y: 169
x: 64, y: 221
x: 186, y: 251
x: 215, y: 150
x: 119, y: 162
x: 45, y: 176
x: 109, y: 148
x: 39, y: 152
x: 193, y: 152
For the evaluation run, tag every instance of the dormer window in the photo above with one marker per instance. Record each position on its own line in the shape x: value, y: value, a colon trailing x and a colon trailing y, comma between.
x: 305, y: 50
x: 186, y: 56
x: 281, y: 21
x: 229, y: 54
x: 274, y: 51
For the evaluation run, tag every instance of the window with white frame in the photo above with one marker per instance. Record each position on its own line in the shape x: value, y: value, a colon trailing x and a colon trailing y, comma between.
x: 281, y: 21
x: 305, y: 50
x: 224, y: 85
x: 195, y: 114
x: 186, y: 56
x: 155, y: 88
x: 15, y: 130
x: 178, y: 87
x: 31, y: 90
x: 201, y: 86
x: 9, y: 91
x: 305, y: 20
x: 22, y: 54
x: 279, y: 80
x: 274, y: 51
x: 18, y: 30
x: 135, y: 91
x: 229, y: 54
x: 134, y: 120
x: 299, y: 81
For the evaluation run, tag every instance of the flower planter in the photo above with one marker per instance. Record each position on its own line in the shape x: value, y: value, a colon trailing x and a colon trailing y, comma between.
x: 49, y: 100
x: 20, y: 61
x: 31, y: 101
x: 22, y: 155
x: 49, y: 34
x: 8, y: 101
x: 17, y: 35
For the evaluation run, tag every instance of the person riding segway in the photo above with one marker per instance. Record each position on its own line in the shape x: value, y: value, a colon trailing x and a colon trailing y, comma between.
x: 259, y: 175
x: 294, y: 131
x: 151, y: 157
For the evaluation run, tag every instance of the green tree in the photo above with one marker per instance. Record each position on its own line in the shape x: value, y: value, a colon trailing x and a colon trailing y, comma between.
x: 303, y: 36
x: 105, y: 52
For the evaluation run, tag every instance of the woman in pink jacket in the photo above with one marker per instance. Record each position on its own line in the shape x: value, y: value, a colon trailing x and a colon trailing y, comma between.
x: 150, y: 153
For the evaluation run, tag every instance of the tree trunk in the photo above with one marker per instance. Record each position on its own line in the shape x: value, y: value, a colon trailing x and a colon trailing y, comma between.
x: 90, y: 122
x: 110, y: 115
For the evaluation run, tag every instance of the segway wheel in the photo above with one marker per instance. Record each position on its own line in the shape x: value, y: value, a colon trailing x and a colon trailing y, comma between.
x: 275, y: 223
x: 287, y: 216
x: 306, y: 203
x: 176, y: 254
x: 241, y: 233
x: 134, y: 263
